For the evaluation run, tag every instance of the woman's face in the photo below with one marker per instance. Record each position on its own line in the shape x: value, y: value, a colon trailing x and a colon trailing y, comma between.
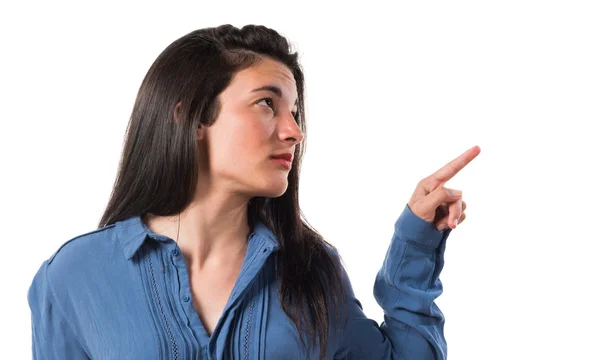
x: 253, y: 125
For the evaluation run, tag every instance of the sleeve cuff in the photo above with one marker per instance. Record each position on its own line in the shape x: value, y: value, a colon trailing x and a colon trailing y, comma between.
x: 410, y: 227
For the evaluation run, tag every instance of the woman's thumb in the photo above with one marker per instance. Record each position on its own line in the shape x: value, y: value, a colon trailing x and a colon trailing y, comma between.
x: 442, y: 195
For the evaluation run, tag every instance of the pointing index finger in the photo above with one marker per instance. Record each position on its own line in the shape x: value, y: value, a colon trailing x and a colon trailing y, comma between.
x: 453, y: 167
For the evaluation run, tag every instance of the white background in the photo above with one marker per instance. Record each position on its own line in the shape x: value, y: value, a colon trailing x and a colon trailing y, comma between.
x: 393, y: 93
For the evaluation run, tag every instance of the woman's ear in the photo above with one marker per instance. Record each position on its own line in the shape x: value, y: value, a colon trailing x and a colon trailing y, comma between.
x: 200, y: 132
x: 176, y: 112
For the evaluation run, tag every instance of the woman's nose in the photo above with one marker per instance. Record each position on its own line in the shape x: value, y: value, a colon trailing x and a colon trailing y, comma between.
x: 291, y: 131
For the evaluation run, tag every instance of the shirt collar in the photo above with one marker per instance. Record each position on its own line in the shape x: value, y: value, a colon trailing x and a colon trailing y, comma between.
x: 132, y: 233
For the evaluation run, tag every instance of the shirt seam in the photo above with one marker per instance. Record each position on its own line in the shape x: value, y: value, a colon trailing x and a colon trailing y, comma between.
x: 76, y: 238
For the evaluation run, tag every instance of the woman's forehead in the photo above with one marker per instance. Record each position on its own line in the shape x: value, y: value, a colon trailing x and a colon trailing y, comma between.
x: 266, y: 75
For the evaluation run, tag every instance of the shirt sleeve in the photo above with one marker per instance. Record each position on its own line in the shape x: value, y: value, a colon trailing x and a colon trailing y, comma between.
x: 52, y: 337
x: 405, y: 287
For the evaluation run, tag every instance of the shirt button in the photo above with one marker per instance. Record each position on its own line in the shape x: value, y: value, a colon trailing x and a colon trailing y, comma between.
x: 175, y: 252
x: 186, y: 298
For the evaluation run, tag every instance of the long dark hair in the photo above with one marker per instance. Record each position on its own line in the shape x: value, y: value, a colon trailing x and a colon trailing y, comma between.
x: 158, y: 170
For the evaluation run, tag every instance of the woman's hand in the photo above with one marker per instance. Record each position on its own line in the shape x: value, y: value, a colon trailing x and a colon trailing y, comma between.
x: 441, y: 206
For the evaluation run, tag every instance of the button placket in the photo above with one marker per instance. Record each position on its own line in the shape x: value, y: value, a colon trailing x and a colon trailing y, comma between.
x: 177, y: 259
x: 177, y: 281
x: 178, y: 262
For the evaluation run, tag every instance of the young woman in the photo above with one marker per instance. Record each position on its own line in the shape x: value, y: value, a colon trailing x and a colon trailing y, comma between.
x: 202, y: 252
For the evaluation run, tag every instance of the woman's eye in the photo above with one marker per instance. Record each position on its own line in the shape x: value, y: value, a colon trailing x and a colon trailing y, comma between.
x: 269, y: 102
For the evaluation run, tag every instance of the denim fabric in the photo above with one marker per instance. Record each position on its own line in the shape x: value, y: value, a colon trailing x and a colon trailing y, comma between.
x: 123, y: 292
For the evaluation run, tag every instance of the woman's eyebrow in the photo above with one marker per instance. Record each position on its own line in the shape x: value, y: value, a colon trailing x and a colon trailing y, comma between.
x: 274, y: 89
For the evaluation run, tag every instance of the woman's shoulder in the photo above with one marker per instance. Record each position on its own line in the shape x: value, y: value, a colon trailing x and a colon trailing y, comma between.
x: 81, y: 247
x: 78, y: 270
x: 334, y: 253
x: 77, y: 257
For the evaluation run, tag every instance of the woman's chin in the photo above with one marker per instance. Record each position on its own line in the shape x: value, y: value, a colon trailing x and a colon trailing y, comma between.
x: 272, y: 190
x: 274, y: 193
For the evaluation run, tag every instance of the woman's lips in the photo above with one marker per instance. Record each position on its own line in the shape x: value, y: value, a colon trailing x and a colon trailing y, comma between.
x: 285, y: 156
x: 284, y: 159
x: 283, y: 162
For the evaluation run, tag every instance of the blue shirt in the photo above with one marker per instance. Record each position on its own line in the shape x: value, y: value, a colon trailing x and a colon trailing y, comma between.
x: 123, y: 292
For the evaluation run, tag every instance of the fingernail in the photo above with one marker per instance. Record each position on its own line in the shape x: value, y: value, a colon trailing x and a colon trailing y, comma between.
x: 455, y: 222
x: 456, y: 192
